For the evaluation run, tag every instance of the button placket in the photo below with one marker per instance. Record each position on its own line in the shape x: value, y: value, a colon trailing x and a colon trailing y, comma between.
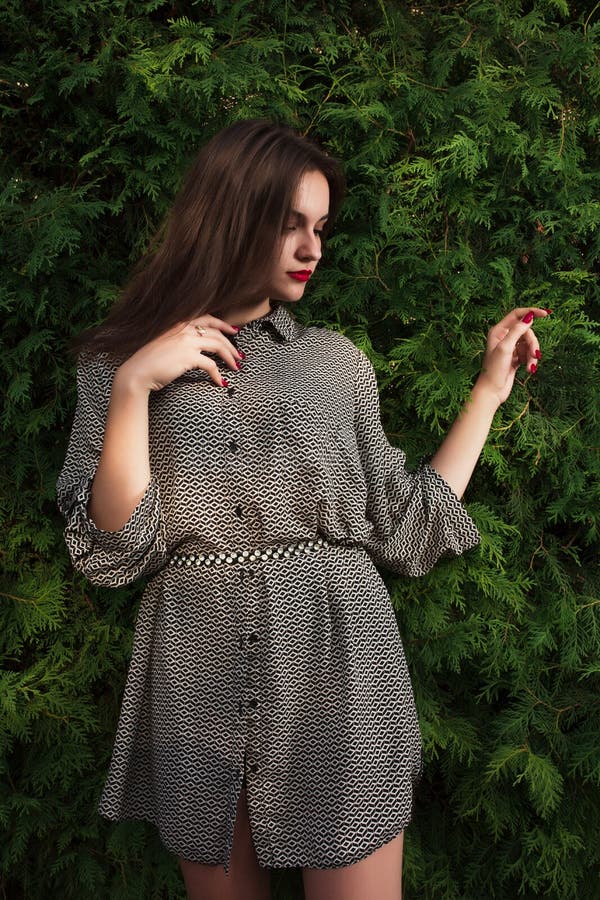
x: 250, y: 578
x: 232, y: 428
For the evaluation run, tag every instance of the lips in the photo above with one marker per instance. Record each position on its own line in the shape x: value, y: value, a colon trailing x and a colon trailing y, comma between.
x: 301, y: 275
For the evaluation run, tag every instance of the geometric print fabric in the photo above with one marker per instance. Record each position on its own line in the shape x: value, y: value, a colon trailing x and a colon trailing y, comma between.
x: 287, y: 670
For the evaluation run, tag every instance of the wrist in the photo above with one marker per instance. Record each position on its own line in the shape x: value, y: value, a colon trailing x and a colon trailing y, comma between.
x: 485, y: 397
x: 128, y: 383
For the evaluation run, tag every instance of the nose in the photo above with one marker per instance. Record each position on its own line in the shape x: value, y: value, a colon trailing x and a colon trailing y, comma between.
x: 310, y: 247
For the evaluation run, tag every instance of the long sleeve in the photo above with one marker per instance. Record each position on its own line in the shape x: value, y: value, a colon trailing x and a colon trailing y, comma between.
x: 415, y: 517
x: 109, y: 558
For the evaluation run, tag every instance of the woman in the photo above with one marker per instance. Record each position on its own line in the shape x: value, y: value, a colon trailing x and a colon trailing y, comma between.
x: 268, y: 717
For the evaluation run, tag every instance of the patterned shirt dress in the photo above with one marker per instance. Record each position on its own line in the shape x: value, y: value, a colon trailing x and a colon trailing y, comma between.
x: 266, y: 645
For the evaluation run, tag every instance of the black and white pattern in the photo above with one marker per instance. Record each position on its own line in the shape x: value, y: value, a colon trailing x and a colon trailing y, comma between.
x: 287, y: 670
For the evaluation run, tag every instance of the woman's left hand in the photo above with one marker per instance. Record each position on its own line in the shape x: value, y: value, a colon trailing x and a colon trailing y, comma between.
x: 510, y: 344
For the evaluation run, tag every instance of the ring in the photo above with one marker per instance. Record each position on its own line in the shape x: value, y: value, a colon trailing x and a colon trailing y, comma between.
x: 201, y: 331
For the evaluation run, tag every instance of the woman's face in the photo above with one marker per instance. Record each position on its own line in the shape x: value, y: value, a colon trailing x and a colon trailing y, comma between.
x: 301, y: 240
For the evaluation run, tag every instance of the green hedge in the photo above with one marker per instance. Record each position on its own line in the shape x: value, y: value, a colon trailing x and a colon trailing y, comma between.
x: 469, y: 133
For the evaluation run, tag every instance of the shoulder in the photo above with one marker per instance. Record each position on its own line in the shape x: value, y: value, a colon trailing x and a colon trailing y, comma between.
x: 95, y: 373
x: 333, y: 341
x: 98, y: 365
x: 356, y: 365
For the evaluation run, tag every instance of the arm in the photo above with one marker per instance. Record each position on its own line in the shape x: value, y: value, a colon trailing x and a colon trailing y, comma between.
x: 106, y: 557
x: 114, y: 527
x: 123, y: 472
x: 406, y: 520
x: 510, y: 343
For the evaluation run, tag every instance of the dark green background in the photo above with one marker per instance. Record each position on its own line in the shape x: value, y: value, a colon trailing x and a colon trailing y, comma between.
x: 469, y: 135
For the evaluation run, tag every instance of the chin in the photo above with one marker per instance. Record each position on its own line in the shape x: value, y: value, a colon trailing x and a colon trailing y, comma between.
x: 289, y: 296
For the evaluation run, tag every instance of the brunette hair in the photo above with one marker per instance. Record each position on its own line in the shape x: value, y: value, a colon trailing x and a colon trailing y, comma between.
x: 222, y: 229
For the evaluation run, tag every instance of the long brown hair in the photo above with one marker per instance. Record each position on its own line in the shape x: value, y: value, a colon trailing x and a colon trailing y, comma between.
x: 220, y: 235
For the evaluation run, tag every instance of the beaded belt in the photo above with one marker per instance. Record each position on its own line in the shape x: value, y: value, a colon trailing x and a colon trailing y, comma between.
x: 216, y: 559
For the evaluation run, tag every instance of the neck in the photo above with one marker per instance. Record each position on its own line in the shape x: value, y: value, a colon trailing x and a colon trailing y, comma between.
x: 241, y: 315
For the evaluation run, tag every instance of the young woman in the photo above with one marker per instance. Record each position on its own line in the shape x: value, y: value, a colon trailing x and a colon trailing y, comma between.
x: 238, y: 458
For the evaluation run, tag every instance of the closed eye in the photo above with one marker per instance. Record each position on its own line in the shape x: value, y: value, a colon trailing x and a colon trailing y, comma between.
x: 297, y: 219
x: 317, y: 231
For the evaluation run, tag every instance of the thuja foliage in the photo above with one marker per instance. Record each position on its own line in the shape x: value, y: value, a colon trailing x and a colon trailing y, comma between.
x: 469, y: 135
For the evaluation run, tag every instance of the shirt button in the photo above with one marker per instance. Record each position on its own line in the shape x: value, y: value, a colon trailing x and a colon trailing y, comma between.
x: 233, y: 446
x: 239, y: 512
x: 252, y: 704
x: 230, y: 391
x: 253, y: 768
x: 252, y: 637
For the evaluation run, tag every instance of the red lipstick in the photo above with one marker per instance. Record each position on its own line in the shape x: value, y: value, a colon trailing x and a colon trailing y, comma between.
x: 301, y: 275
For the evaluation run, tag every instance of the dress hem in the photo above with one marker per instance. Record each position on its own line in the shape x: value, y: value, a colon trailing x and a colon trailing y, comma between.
x: 361, y: 854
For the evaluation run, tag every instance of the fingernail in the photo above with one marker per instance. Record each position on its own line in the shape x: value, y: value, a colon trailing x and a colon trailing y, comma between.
x: 538, y: 354
x: 527, y: 318
x: 548, y: 311
x: 237, y: 327
x: 533, y: 368
x: 242, y: 354
x: 238, y: 364
x: 224, y: 382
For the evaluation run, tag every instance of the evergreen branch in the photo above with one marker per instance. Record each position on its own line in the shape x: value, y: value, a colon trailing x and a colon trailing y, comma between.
x: 503, y: 428
x: 587, y: 21
x: 587, y: 606
x: 19, y: 599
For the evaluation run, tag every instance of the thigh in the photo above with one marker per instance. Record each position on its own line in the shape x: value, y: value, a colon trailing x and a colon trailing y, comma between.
x: 246, y: 880
x: 377, y: 877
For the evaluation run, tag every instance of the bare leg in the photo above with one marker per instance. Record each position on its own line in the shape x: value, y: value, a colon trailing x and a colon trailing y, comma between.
x: 377, y: 877
x: 246, y: 880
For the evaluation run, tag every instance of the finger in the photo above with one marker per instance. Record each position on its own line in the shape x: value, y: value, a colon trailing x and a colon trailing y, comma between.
x: 515, y: 317
x: 209, y: 366
x: 208, y: 320
x: 529, y: 348
x: 217, y: 343
x: 519, y: 313
x: 521, y: 340
x: 529, y: 352
x: 202, y: 325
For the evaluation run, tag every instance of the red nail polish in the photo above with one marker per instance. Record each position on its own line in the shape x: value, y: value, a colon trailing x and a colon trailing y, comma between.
x: 242, y: 354
x: 224, y: 382
x: 538, y: 354
x: 238, y: 364
x: 527, y: 318
x: 548, y: 312
x: 237, y: 327
x: 533, y: 368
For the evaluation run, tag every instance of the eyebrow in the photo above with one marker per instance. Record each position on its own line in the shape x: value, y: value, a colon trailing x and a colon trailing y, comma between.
x: 299, y: 215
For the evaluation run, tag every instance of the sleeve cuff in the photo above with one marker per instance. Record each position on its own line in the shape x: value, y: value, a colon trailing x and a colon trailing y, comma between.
x: 434, y: 524
x: 115, y: 558
x: 138, y: 530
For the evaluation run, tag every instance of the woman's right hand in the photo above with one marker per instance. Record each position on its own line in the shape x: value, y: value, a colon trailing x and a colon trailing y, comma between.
x: 180, y: 349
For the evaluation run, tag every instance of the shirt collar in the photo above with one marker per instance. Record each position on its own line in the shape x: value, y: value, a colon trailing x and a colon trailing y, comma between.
x: 279, y: 324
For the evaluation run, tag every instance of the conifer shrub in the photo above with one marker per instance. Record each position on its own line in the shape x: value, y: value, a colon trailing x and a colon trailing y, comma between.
x: 469, y: 135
